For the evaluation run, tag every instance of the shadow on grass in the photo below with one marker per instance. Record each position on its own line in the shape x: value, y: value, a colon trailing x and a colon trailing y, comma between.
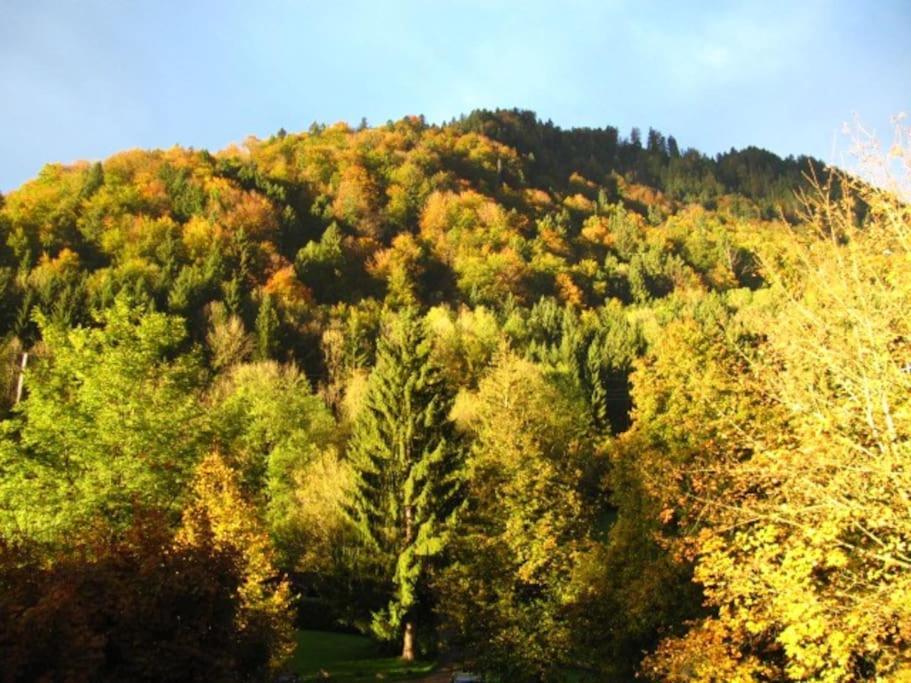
x: 323, y: 655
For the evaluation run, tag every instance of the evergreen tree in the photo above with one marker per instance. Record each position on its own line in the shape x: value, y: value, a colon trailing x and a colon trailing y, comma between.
x: 603, y: 366
x: 94, y: 179
x: 656, y: 142
x: 406, y: 468
x: 267, y: 324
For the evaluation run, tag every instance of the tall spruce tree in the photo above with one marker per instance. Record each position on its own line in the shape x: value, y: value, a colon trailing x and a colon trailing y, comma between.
x: 267, y: 325
x: 407, y: 470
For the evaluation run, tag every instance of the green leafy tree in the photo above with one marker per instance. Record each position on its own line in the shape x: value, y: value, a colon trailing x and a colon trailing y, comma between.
x: 406, y: 467
x: 278, y: 435
x: 508, y: 593
x: 112, y: 418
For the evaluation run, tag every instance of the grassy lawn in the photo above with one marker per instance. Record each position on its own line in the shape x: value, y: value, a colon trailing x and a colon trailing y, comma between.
x: 349, y: 658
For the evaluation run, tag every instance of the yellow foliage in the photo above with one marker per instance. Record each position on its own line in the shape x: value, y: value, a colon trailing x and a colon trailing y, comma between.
x: 568, y: 290
x: 400, y: 265
x: 357, y: 201
x: 218, y: 510
x: 320, y: 491
x: 65, y: 263
x: 290, y: 292
x: 802, y: 472
x: 468, y: 221
x: 596, y: 230
x: 199, y: 236
x: 580, y: 203
x: 354, y: 394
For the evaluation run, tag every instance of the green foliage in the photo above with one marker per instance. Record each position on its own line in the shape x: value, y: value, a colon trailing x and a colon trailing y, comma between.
x: 319, y: 264
x: 406, y: 466
x: 603, y: 364
x: 666, y: 385
x: 267, y: 329
x: 279, y: 436
x: 508, y: 592
x: 112, y: 419
x: 187, y: 198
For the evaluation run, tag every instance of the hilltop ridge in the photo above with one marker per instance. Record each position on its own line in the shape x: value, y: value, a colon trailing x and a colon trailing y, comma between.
x: 494, y: 206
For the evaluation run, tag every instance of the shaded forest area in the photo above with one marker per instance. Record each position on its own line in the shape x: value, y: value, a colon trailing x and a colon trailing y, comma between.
x: 565, y: 402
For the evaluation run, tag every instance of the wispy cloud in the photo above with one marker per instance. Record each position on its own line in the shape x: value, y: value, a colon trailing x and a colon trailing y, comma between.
x: 738, y: 44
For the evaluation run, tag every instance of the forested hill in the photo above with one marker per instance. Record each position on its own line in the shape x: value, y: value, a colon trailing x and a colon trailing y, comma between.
x: 496, y: 208
x: 600, y: 154
x: 565, y: 403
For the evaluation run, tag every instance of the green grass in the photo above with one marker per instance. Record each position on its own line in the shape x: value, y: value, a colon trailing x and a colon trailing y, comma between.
x: 348, y: 657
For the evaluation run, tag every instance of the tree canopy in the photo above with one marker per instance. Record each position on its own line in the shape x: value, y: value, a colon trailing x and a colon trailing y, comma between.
x: 566, y: 403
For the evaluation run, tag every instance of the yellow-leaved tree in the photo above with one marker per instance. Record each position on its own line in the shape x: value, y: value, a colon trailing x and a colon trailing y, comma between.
x: 218, y: 513
x: 523, y: 528
x: 804, y: 548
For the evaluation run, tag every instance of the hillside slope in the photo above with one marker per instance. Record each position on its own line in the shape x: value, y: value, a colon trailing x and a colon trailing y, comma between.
x: 566, y: 403
x: 496, y: 207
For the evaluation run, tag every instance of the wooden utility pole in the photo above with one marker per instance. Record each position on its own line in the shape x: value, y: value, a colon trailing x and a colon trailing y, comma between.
x: 21, y: 381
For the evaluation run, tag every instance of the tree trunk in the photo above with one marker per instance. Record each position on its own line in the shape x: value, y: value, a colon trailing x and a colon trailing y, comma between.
x: 408, y: 638
x: 408, y: 642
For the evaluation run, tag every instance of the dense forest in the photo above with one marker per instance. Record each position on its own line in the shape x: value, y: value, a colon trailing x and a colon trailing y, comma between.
x: 564, y: 404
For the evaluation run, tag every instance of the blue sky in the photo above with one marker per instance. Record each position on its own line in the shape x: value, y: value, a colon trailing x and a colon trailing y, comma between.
x: 85, y: 79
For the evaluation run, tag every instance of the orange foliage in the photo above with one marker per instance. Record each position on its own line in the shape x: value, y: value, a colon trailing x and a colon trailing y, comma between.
x: 647, y: 196
x: 596, y: 230
x: 357, y: 201
x: 554, y: 241
x: 583, y: 185
x: 287, y: 289
x: 239, y: 209
x: 568, y: 290
x: 538, y: 199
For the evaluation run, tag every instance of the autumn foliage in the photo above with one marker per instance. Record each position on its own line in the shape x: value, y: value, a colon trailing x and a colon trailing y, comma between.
x: 563, y: 403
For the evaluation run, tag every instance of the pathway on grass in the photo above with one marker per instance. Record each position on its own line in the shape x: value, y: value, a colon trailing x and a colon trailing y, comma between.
x: 443, y: 675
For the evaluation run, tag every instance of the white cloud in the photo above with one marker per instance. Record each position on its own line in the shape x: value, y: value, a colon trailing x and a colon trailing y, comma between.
x: 724, y: 47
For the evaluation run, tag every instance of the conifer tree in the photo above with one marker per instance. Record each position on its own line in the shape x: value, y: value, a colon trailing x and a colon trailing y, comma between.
x: 267, y: 324
x: 406, y: 468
